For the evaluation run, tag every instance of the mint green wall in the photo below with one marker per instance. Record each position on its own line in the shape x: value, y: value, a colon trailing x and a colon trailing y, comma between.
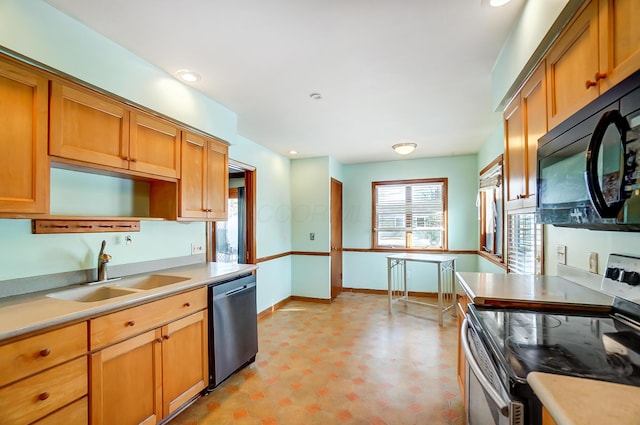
x: 36, y: 30
x: 491, y: 148
x: 461, y: 172
x: 311, y: 213
x: 368, y: 269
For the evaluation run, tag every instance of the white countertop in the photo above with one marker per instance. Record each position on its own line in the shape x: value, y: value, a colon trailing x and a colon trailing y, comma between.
x: 579, y: 401
x: 32, y: 312
x: 511, y: 288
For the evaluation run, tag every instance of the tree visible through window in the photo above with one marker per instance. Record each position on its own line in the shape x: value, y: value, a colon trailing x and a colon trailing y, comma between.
x: 410, y: 214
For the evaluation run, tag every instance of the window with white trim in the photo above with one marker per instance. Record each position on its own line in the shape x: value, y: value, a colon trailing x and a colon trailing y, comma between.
x: 410, y: 214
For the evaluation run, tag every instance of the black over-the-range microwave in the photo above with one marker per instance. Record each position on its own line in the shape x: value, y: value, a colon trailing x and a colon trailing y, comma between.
x: 588, y: 172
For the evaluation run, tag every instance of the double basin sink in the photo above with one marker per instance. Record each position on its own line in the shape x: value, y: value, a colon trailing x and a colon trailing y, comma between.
x: 99, y: 291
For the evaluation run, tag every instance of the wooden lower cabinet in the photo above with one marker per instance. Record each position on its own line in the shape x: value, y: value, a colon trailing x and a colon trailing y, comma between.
x: 462, y: 362
x: 147, y: 377
x: 77, y: 413
x: 33, y: 398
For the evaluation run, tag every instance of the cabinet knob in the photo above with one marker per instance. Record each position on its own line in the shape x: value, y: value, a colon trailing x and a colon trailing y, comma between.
x: 166, y: 336
x: 159, y: 340
x: 187, y: 304
x: 125, y: 158
x: 45, y: 352
x: 131, y: 323
x: 600, y: 75
x: 133, y: 160
x: 43, y: 396
x: 590, y: 84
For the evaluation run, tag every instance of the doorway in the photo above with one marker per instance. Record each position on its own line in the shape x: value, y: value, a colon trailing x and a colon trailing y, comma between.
x: 336, y: 238
x: 233, y: 240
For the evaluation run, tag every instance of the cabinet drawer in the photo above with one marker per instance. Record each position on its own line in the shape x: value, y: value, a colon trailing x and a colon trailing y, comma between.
x: 77, y: 413
x: 123, y: 324
x: 31, y: 355
x: 32, y: 398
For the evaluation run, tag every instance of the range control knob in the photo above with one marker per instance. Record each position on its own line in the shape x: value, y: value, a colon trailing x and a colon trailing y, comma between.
x: 632, y: 278
x: 612, y: 273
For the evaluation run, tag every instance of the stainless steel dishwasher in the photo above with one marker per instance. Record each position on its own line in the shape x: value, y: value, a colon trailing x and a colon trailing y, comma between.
x: 233, y: 327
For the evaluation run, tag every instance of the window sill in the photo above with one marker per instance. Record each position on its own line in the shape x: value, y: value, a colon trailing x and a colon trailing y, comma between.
x: 493, y: 259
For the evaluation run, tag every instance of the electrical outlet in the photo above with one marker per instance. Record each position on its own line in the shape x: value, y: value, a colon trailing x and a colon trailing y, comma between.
x: 561, y: 254
x: 593, y: 262
x: 197, y: 248
x: 312, y: 236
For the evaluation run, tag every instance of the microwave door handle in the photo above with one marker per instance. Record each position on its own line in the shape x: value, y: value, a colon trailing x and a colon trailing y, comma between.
x: 591, y: 173
x: 503, y: 405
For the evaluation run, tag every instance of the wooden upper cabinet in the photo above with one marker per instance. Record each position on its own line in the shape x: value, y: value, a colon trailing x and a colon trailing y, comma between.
x: 204, y: 178
x: 619, y: 40
x: 88, y: 127
x: 24, y: 165
x: 573, y: 65
x: 534, y: 108
x: 515, y: 154
x: 525, y: 121
x: 95, y: 129
x: 218, y: 179
x: 154, y: 146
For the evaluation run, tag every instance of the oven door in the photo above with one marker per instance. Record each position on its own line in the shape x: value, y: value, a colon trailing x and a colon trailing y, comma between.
x: 488, y: 403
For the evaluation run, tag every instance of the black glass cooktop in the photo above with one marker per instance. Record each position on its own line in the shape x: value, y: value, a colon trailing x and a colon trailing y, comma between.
x: 587, y: 346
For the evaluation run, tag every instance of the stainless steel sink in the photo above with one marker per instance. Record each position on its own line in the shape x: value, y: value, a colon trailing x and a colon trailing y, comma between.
x: 149, y: 282
x: 88, y: 294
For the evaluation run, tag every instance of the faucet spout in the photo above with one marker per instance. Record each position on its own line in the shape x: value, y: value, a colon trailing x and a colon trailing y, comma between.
x: 103, y: 259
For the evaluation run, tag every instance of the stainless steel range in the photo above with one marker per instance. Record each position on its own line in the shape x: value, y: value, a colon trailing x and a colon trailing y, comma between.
x: 503, y: 345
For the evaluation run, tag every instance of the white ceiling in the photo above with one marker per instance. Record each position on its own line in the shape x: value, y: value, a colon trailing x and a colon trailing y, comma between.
x: 388, y: 70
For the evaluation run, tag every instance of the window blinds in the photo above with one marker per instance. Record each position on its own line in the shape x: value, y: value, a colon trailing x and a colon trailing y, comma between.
x: 524, y: 242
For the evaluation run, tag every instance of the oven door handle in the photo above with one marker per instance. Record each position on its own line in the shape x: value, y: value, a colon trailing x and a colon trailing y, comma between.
x: 486, y: 385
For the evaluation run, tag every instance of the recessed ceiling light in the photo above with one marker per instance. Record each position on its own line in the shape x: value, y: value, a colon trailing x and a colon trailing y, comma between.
x: 292, y: 152
x: 188, y: 76
x: 315, y: 96
x: 497, y: 3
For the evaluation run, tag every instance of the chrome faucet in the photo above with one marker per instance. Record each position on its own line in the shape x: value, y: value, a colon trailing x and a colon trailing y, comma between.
x: 103, y: 259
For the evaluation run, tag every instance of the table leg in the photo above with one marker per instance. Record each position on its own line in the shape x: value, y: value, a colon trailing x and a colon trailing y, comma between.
x: 440, y: 271
x: 389, y: 281
x: 454, y: 295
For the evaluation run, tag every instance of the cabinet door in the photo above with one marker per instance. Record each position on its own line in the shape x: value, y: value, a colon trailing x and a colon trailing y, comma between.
x: 217, y: 180
x: 514, y: 151
x: 619, y: 40
x: 154, y: 146
x: 88, y: 127
x: 534, y: 108
x: 185, y: 361
x: 193, y: 181
x: 126, y: 382
x: 571, y: 63
x: 24, y: 164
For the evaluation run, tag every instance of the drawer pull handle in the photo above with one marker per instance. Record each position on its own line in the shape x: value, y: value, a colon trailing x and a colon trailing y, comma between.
x: 131, y: 323
x: 43, y: 396
x: 187, y: 304
x: 45, y: 352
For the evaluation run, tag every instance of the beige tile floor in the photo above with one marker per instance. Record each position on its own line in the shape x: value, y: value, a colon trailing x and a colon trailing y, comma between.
x: 348, y: 362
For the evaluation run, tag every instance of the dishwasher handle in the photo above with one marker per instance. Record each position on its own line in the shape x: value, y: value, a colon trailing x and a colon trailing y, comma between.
x: 237, y: 290
x: 484, y: 382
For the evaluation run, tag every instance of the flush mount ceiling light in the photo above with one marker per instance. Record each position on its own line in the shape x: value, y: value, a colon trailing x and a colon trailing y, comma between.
x: 188, y: 76
x: 315, y: 96
x: 497, y: 3
x: 292, y: 152
x: 404, y: 148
